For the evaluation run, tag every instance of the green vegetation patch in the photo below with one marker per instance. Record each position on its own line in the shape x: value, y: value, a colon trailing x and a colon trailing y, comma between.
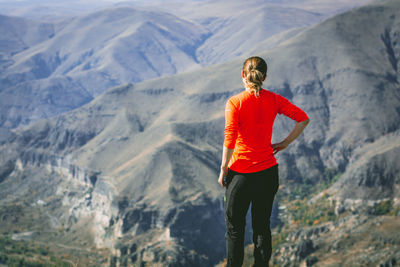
x: 321, y: 211
x: 22, y: 253
x: 385, y: 207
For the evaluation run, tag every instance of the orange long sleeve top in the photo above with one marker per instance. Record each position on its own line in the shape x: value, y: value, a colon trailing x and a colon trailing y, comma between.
x: 248, y: 128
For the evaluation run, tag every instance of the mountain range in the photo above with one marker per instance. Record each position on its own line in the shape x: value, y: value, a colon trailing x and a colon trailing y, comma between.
x: 52, y: 67
x: 133, y: 172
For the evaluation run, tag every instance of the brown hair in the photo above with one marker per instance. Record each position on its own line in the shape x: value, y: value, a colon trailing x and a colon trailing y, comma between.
x: 255, y: 72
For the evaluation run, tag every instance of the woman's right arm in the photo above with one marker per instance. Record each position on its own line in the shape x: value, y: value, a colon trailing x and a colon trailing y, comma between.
x: 297, y: 130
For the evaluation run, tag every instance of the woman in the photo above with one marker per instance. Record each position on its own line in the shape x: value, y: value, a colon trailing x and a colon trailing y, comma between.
x: 249, y: 169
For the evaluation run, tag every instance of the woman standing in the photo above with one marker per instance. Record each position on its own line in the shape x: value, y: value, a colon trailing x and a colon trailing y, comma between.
x: 249, y: 169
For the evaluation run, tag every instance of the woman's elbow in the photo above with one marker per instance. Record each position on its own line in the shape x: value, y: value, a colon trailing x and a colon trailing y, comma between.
x: 305, y: 122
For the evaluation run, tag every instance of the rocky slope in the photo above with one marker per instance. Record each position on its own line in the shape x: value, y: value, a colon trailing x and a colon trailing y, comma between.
x: 134, y: 171
x: 18, y: 34
x: 349, y: 241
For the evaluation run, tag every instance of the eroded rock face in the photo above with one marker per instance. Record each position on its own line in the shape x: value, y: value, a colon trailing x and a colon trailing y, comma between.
x: 372, y: 176
x: 188, y: 234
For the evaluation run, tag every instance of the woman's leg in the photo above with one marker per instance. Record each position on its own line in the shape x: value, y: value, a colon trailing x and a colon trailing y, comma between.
x: 236, y: 206
x: 265, y: 186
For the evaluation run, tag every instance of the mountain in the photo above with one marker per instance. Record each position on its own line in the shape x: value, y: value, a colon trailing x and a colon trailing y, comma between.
x: 356, y: 137
x: 74, y: 59
x: 127, y: 40
x: 92, y: 53
x: 18, y: 34
x: 51, y: 11
x: 133, y: 173
x: 237, y: 26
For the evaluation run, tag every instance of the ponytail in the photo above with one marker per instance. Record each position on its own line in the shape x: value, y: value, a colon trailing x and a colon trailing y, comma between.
x: 255, y: 72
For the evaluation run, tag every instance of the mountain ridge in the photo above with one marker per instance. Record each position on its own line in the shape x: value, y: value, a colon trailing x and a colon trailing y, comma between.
x: 51, y: 67
x: 89, y: 53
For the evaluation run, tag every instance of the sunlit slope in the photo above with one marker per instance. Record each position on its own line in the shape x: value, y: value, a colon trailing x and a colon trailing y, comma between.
x: 91, y: 53
x: 18, y: 34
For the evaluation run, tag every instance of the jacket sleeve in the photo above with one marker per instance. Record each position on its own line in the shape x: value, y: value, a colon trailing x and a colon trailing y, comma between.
x: 290, y: 110
x: 231, y: 124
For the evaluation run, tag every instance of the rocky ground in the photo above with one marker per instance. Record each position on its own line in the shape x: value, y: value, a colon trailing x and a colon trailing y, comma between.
x: 355, y: 238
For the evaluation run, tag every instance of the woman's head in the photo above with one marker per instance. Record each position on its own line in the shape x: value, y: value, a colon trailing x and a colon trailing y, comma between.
x: 254, y: 73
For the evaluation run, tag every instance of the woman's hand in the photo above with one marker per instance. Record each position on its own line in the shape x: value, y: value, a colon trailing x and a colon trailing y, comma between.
x: 222, y: 175
x: 279, y: 146
x: 226, y: 156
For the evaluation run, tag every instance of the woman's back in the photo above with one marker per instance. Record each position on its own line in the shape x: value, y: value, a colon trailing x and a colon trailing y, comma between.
x: 248, y: 128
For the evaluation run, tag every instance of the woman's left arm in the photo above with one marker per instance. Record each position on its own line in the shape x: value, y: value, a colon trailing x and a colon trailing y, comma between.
x: 231, y: 133
x: 226, y: 156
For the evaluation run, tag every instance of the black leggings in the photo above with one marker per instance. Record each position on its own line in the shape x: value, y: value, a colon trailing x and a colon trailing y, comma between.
x: 259, y: 189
